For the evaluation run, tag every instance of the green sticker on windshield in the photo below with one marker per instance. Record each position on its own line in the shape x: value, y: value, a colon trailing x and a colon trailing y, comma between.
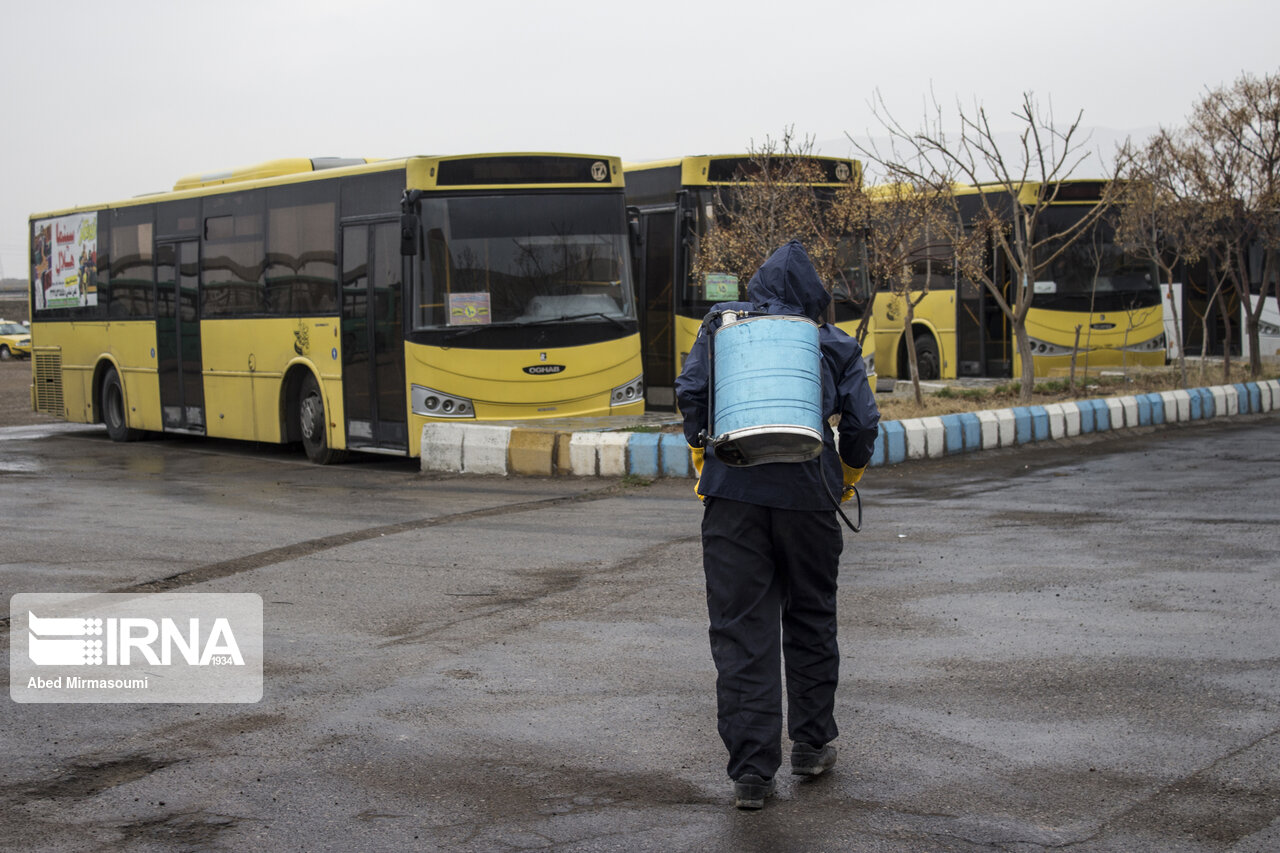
x: 468, y: 309
x: 720, y: 287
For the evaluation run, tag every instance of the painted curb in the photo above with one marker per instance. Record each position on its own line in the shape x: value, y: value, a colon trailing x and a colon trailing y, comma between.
x: 541, y: 452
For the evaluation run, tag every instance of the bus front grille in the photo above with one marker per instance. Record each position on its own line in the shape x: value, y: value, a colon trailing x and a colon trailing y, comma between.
x: 48, y: 381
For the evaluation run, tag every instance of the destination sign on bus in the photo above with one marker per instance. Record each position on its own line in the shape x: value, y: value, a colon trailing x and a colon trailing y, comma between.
x: 1074, y: 191
x: 521, y: 170
x: 726, y: 170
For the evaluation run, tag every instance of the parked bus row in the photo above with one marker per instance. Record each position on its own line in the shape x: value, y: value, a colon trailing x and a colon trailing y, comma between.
x: 342, y: 304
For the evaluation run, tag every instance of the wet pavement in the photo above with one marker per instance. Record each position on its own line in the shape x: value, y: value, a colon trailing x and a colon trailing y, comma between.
x: 1068, y: 646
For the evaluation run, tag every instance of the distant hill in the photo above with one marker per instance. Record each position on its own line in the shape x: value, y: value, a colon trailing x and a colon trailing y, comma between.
x: 9, y: 286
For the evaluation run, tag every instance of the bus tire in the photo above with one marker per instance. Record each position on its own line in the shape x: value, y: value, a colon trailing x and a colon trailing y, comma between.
x: 114, y: 413
x: 927, y: 363
x: 313, y: 424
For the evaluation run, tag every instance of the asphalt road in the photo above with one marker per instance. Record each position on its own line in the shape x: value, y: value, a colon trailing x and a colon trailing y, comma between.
x: 1067, y: 647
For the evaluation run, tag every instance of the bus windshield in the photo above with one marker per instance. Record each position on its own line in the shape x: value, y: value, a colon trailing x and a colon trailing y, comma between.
x: 495, y: 265
x: 1093, y: 273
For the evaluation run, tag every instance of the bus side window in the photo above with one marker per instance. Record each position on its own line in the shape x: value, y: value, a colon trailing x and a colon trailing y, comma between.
x: 233, y: 256
x: 302, y: 253
x: 132, y: 274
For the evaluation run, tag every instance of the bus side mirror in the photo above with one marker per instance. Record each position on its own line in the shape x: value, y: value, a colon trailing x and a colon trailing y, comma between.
x: 688, y: 228
x: 633, y: 227
x: 410, y: 226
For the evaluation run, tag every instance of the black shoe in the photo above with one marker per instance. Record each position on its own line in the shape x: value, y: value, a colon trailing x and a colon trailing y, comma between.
x: 750, y: 791
x: 811, y: 760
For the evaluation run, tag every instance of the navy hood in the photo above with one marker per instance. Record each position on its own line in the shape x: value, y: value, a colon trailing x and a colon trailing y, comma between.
x: 787, y: 283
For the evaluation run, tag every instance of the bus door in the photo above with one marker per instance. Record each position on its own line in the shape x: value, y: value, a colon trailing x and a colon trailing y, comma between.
x: 970, y: 308
x: 178, y: 336
x: 657, y: 308
x: 984, y: 338
x: 373, y: 377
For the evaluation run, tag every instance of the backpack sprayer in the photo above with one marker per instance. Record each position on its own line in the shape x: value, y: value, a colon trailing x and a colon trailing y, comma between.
x: 765, y: 393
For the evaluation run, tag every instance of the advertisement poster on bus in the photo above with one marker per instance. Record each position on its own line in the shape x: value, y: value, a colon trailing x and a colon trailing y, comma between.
x: 64, y: 261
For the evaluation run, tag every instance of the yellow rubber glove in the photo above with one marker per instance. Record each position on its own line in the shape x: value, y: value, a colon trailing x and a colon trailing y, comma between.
x: 697, y: 455
x: 851, y: 478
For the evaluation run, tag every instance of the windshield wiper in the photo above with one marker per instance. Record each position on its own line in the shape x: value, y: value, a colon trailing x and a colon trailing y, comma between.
x: 564, y: 318
x: 480, y: 327
x: 517, y: 324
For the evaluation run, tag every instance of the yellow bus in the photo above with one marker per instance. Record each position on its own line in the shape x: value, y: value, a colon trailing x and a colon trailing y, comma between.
x: 342, y: 304
x: 673, y: 204
x: 1112, y: 301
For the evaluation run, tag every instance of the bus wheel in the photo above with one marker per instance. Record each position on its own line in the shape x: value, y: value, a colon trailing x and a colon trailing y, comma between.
x: 113, y: 411
x: 313, y: 425
x: 927, y: 362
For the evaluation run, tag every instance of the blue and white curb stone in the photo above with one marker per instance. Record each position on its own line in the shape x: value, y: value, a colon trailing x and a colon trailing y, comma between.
x: 484, y: 449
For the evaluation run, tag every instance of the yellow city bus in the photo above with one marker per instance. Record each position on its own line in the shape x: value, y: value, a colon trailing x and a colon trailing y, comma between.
x: 673, y: 203
x: 342, y: 304
x: 1111, y: 300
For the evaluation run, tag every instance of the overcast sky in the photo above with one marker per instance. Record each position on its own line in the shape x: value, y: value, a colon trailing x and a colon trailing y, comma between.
x: 107, y: 99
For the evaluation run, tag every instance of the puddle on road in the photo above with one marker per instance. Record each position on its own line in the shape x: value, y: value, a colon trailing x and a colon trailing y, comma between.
x: 31, y: 432
x: 19, y: 465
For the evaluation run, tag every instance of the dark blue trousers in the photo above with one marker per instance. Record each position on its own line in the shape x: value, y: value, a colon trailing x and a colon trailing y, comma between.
x: 771, y: 597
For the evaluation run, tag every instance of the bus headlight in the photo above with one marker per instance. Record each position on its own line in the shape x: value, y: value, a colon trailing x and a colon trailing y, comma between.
x: 435, y: 404
x: 629, y: 393
x: 1044, y: 348
x: 1156, y: 344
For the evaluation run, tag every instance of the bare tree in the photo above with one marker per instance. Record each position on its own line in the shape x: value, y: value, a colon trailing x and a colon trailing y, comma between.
x: 1160, y: 218
x: 776, y: 198
x: 1046, y: 154
x: 1232, y: 153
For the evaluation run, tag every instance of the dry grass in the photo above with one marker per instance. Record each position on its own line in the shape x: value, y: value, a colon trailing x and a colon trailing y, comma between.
x: 953, y: 399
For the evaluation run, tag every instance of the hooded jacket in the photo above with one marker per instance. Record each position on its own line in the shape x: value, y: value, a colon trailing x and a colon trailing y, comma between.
x: 788, y: 284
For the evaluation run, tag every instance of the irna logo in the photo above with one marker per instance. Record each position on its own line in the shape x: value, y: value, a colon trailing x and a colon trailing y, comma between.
x: 91, y: 641
x: 135, y: 647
